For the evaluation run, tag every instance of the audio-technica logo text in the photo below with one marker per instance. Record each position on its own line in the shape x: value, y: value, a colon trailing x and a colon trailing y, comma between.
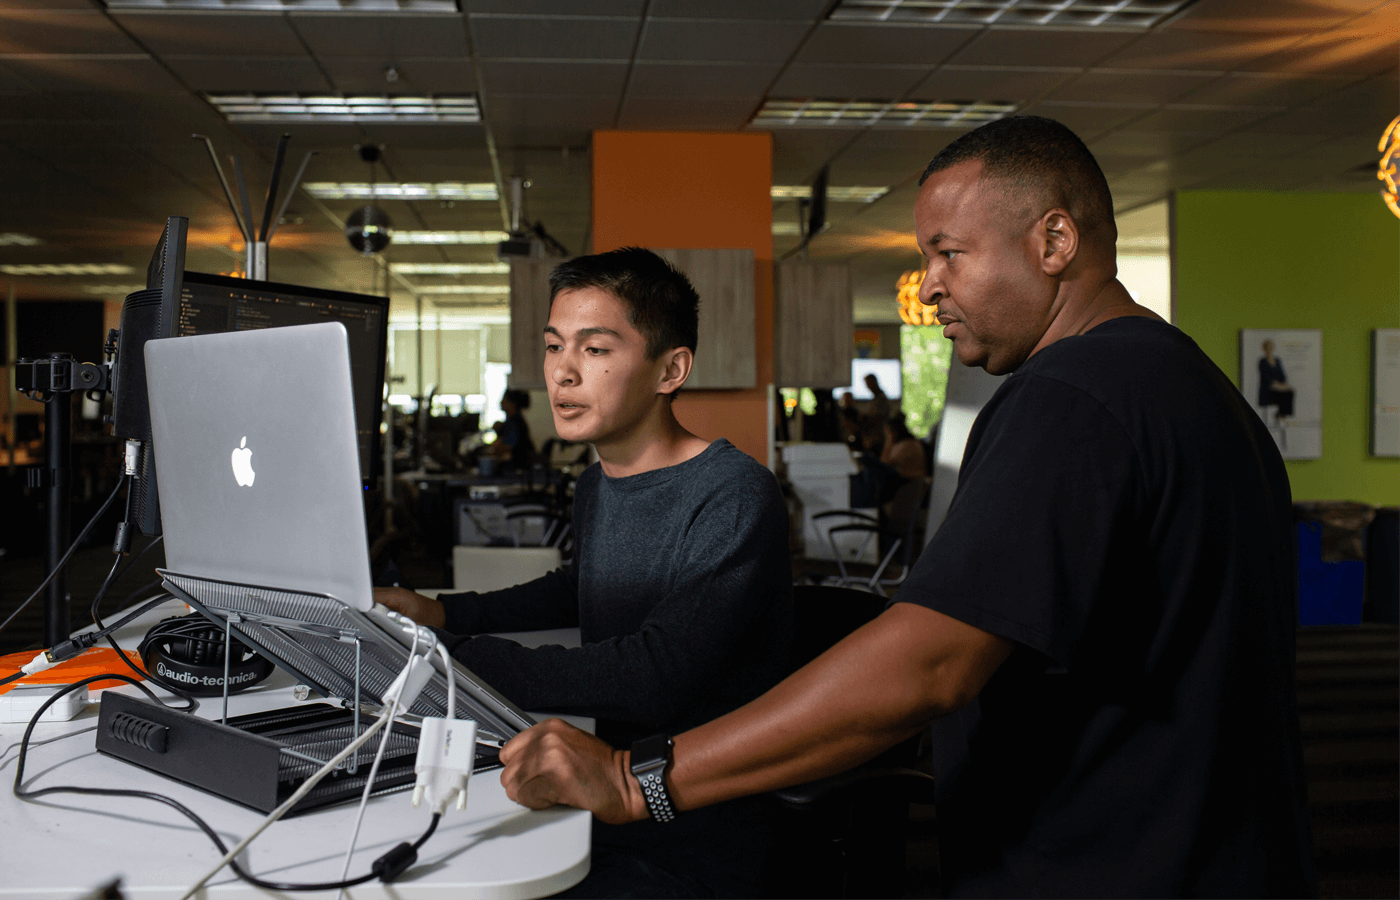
x: 208, y: 680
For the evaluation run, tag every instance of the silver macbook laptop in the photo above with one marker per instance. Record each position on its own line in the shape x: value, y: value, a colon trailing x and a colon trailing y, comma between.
x: 257, y: 468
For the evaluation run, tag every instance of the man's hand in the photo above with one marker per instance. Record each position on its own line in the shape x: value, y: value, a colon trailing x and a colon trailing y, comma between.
x: 423, y: 610
x: 555, y: 763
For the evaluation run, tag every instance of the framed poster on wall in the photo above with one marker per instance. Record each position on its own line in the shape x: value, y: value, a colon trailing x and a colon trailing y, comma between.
x: 1281, y: 377
x: 1385, y: 392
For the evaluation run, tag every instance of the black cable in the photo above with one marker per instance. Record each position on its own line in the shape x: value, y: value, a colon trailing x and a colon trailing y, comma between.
x: 15, y: 677
x: 386, y: 868
x: 106, y: 585
x: 64, y: 560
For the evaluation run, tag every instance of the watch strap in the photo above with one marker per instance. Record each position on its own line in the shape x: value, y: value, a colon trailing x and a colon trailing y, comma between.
x: 650, y: 757
x: 658, y: 798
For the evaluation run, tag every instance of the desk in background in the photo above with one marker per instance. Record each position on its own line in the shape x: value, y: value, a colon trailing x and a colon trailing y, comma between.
x: 66, y: 844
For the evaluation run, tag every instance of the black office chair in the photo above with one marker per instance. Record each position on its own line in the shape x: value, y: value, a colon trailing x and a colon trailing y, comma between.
x: 844, y: 836
x: 898, y: 545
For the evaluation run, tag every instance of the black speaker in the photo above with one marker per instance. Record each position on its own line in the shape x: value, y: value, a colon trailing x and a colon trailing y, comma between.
x: 187, y: 652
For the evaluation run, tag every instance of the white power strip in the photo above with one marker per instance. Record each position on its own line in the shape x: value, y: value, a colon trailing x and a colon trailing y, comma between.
x: 21, y: 702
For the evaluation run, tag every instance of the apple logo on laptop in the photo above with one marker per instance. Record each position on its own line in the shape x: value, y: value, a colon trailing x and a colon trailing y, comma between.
x: 243, y: 464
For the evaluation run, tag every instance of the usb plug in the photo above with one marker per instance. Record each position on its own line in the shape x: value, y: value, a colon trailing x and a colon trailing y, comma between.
x: 446, y: 754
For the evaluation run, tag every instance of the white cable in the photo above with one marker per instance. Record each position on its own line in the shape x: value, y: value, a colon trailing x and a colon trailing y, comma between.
x: 374, y: 768
x: 391, y: 701
x: 451, y: 680
x: 291, y: 801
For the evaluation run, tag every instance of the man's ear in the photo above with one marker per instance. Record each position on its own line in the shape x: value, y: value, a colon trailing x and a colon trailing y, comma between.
x: 678, y: 363
x: 1059, y: 235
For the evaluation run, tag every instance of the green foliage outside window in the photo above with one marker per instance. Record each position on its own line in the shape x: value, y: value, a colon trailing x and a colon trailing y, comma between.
x: 925, y: 355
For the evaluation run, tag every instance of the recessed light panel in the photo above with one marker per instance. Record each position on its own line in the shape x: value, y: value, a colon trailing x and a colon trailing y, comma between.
x: 10, y: 239
x: 1020, y: 13
x: 113, y: 290
x: 424, y: 109
x: 449, y: 237
x: 352, y: 6
x: 66, y: 269
x: 847, y: 194
x: 442, y: 190
x: 462, y: 289
x: 812, y: 113
x: 496, y: 268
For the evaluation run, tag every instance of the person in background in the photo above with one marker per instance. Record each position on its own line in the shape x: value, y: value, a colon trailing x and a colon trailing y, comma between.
x: 902, y: 451
x: 879, y: 403
x: 513, y: 442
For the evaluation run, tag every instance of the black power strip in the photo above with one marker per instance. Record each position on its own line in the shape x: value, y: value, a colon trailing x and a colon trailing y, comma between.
x: 259, y: 760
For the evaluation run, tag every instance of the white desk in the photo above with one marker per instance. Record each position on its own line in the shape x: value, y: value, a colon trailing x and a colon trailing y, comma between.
x: 64, y: 845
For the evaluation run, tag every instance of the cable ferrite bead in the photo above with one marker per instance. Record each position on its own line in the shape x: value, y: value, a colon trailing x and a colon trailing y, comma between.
x: 139, y: 732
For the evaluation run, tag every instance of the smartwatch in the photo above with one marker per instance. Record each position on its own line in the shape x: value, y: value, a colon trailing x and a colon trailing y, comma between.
x: 650, y: 757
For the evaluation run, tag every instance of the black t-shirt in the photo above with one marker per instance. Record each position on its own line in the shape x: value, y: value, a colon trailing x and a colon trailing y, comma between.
x: 1124, y: 517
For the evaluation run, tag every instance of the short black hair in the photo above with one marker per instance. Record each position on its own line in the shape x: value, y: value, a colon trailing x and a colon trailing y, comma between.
x: 520, y: 398
x: 661, y: 302
x: 1037, y: 154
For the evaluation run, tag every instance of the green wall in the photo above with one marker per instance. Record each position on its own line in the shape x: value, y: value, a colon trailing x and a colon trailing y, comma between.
x: 1247, y: 259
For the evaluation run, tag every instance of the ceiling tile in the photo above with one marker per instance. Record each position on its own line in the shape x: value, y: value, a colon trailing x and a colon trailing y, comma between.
x: 657, y: 79
x: 1284, y: 16
x: 717, y: 114
x: 541, y: 37
x: 1088, y: 119
x: 755, y: 41
x: 1128, y: 86
x: 1148, y: 144
x: 390, y: 38
x: 1041, y: 47
x: 1370, y: 102
x: 553, y: 78
x: 799, y: 155
x: 989, y: 83
x: 127, y: 73
x: 1367, y: 45
x: 415, y: 76
x: 847, y: 82
x: 1263, y: 89
x: 554, y: 7
x: 738, y: 9
x: 61, y: 31
x: 253, y: 34
x: 538, y: 120
x: 1194, y: 51
x: 843, y: 42
x: 248, y: 73
x: 1180, y: 117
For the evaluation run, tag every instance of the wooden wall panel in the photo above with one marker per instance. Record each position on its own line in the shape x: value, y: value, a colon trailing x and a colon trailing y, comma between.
x: 814, y: 336
x: 724, y: 357
x: 529, y: 313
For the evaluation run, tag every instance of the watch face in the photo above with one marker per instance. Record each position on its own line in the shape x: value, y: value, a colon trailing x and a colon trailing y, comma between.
x: 650, y: 751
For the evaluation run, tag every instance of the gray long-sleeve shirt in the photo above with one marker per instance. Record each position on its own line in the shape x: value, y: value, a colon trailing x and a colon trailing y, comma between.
x: 681, y: 587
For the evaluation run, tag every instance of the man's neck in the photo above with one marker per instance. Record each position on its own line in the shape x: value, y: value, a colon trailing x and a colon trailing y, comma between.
x: 661, y: 442
x: 1109, y: 300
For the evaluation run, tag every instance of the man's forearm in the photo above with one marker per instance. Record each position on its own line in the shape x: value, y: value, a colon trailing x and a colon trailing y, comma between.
x: 879, y: 686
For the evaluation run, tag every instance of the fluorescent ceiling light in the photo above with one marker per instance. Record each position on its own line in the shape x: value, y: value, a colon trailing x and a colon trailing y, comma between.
x: 443, y: 190
x: 851, y: 194
x: 449, y: 237
x: 462, y: 289
x: 113, y: 290
x: 811, y: 113
x: 325, y: 108
x: 10, y: 239
x: 787, y: 228
x: 350, y: 6
x: 67, y: 269
x: 495, y: 268
x: 1022, y: 13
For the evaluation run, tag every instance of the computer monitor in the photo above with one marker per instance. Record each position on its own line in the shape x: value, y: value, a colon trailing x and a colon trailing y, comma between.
x: 888, y: 374
x: 177, y: 303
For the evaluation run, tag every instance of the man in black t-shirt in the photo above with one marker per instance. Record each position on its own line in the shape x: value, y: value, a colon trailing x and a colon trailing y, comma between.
x: 1102, y: 629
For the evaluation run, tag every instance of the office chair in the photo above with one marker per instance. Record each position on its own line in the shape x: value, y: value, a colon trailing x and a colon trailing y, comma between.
x: 886, y: 573
x: 844, y: 836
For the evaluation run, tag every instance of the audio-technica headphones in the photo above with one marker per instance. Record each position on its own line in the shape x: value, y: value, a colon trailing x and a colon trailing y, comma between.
x: 187, y: 652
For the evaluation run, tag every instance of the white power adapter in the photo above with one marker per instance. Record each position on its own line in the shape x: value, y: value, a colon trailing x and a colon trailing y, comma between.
x: 446, y: 754
x: 23, y: 700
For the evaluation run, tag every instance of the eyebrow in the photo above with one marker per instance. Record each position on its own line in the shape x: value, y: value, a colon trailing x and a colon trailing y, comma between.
x: 582, y: 332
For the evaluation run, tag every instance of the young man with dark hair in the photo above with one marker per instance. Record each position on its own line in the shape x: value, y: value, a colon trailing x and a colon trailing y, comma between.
x: 1102, y: 629
x: 681, y: 583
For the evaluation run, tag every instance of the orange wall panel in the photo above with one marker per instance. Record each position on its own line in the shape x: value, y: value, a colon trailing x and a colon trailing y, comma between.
x: 697, y: 190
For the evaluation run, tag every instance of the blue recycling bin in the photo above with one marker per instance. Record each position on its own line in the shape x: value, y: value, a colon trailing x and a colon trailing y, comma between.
x: 1329, y: 593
